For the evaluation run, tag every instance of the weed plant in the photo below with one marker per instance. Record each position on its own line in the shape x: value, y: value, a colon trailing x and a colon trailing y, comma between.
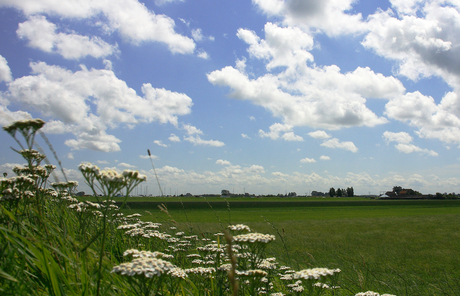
x: 52, y: 243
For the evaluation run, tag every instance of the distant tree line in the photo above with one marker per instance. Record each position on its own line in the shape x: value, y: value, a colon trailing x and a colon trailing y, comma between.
x: 349, y: 192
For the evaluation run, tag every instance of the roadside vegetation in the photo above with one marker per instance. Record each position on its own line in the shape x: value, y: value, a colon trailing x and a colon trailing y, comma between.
x: 53, y: 243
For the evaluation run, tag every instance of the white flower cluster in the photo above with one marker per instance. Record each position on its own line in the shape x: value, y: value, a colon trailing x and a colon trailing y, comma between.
x: 148, y: 267
x: 178, y: 273
x: 134, y: 175
x: 64, y: 185
x: 285, y: 277
x: 146, y: 254
x: 314, y: 273
x: 19, y: 181
x: 16, y: 188
x: 111, y: 176
x: 296, y: 287
x: 201, y: 270
x: 325, y: 286
x: 202, y: 262
x: 370, y: 293
x: 252, y: 273
x: 31, y: 154
x: 267, y: 264
x: 136, y: 215
x: 84, y: 206
x: 212, y: 248
x: 24, y: 125
x: 225, y: 267
x: 194, y: 256
x: 89, y: 168
x: 277, y: 294
x: 254, y: 237
x: 239, y: 227
x: 128, y: 226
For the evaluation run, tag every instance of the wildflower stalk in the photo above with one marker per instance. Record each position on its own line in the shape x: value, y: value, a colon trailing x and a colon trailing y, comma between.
x: 232, y: 272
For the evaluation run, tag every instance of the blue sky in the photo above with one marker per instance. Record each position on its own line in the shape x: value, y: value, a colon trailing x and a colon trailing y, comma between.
x: 262, y: 96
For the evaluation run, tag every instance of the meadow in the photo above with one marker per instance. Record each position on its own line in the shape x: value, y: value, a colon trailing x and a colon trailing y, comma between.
x: 55, y: 243
x: 399, y: 246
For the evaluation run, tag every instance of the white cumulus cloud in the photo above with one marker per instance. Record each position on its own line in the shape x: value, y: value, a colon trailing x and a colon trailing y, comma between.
x: 65, y: 98
x: 401, y: 137
x: 307, y: 160
x: 302, y: 94
x: 5, y: 71
x: 329, y: 16
x: 197, y: 140
x: 423, y: 39
x: 174, y: 138
x: 130, y: 18
x: 41, y: 34
x: 403, y: 141
x: 223, y: 162
x: 319, y: 135
x: 335, y: 143
x: 409, y: 148
x: 160, y: 143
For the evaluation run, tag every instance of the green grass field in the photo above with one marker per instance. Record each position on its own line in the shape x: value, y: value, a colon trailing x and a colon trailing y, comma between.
x: 397, y: 247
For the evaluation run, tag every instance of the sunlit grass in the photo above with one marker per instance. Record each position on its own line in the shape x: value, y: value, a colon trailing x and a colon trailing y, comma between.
x: 402, y: 249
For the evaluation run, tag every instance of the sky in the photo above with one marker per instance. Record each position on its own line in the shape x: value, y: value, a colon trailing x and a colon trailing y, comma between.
x: 259, y: 97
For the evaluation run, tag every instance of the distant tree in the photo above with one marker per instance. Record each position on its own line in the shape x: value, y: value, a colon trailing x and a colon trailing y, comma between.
x: 332, y: 192
x: 339, y: 192
x: 452, y: 196
x: 439, y: 195
x: 350, y: 192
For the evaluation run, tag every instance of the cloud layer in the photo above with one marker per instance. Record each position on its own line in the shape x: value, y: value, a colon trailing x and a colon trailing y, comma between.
x: 130, y: 18
x: 302, y: 94
x: 67, y: 98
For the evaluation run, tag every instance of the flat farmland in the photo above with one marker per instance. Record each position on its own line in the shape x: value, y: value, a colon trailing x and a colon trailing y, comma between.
x: 402, y: 247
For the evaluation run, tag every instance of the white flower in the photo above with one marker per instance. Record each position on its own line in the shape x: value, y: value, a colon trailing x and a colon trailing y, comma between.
x: 254, y: 237
x: 201, y: 270
x: 178, y: 273
x: 370, y: 293
x: 314, y: 273
x: 239, y: 227
x: 148, y: 267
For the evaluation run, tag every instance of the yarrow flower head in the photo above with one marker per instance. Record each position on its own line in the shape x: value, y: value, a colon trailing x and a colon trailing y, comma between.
x: 64, y: 185
x: 254, y: 237
x: 146, y: 254
x: 239, y: 227
x: 24, y: 126
x: 32, y: 155
x: 201, y: 270
x: 148, y: 267
x: 314, y: 273
x: 134, y: 175
x: 87, y: 167
x: 370, y: 293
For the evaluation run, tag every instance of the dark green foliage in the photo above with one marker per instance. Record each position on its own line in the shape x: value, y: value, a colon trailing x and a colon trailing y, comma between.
x: 332, y: 192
